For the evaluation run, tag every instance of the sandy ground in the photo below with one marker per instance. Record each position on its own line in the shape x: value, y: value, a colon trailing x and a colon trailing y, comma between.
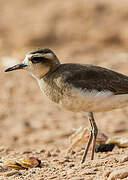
x: 31, y: 125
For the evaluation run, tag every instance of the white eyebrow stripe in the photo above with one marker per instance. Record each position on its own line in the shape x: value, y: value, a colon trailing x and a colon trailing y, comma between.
x: 28, y: 56
x: 48, y: 55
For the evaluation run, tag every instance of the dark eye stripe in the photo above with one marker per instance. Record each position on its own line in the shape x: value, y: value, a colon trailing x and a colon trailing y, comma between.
x: 36, y: 59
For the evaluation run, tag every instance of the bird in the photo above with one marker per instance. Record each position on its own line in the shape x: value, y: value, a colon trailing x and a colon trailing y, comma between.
x: 77, y: 87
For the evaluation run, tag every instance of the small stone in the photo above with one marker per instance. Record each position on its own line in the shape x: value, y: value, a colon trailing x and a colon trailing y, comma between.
x: 107, y: 173
x: 27, y: 152
x: 71, y: 165
x: 66, y: 157
x: 52, y: 177
x: 104, y: 147
x: 83, y: 166
x: 70, y: 171
x: 54, y: 154
x: 42, y: 151
x: 89, y: 172
x: 118, y: 174
x: 64, y: 173
x: 77, y: 178
x: 71, y: 151
x: 44, y: 164
x: 57, y: 150
x: 124, y: 158
x: 11, y: 173
x: 48, y: 154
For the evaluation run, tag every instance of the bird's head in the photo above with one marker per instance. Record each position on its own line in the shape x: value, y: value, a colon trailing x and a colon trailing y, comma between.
x: 38, y: 62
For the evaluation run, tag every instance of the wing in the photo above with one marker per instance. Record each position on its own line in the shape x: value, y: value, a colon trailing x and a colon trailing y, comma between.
x: 88, y: 77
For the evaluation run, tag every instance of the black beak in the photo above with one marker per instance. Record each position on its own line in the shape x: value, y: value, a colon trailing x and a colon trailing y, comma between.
x: 18, y: 66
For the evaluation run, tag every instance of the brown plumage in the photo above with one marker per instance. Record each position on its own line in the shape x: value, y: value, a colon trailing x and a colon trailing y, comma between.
x: 90, y: 77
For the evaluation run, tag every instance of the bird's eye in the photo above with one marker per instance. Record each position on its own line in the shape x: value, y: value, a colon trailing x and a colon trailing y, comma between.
x: 36, y: 59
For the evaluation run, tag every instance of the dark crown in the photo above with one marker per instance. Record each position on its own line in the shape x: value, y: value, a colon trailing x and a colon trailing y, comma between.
x: 42, y: 51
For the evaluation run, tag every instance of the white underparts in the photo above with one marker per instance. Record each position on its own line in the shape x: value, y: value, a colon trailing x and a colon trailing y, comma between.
x: 93, y: 101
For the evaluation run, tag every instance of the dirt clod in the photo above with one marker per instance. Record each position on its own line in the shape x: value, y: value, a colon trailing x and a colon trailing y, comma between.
x: 118, y: 174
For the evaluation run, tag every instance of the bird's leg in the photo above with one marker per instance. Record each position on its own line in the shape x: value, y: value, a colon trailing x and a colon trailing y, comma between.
x: 87, y: 147
x: 93, y: 135
x: 94, y: 131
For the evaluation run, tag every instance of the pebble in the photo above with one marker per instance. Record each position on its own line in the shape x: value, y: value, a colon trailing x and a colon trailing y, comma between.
x: 88, y: 172
x: 107, y: 173
x: 53, y: 177
x: 27, y: 152
x: 118, y: 174
x: 124, y: 158
x: 77, y: 178
x: 48, y: 154
x: 42, y: 150
x: 71, y: 165
x: 11, y: 173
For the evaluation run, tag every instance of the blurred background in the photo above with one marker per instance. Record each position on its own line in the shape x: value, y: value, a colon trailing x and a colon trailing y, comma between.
x: 76, y: 28
x: 81, y: 31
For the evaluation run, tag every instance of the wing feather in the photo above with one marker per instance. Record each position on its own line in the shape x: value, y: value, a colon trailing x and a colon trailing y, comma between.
x: 94, y: 78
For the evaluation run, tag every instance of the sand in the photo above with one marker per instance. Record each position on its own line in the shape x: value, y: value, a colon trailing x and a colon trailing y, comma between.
x: 31, y: 125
